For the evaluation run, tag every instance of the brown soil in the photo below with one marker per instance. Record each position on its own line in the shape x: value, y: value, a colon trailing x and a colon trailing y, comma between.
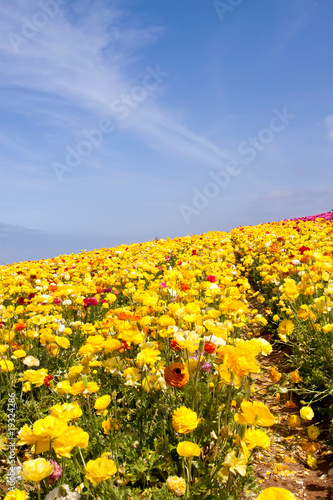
x: 285, y: 465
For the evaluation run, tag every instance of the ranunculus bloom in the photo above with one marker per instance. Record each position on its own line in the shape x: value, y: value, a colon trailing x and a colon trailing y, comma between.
x: 31, y: 361
x: 306, y: 413
x: 294, y: 421
x: 66, y: 411
x: 274, y: 493
x: 36, y: 470
x: 57, y: 472
x: 100, y: 470
x: 274, y: 374
x: 256, y: 437
x: 176, y: 375
x: 74, y: 436
x: 177, y: 485
x: 255, y: 414
x: 102, y: 402
x: 58, y: 494
x: 210, y: 348
x: 35, y: 377
x: 295, y: 377
x: 16, y: 495
x: 6, y: 365
x: 188, y: 449
x: 313, y: 432
x: 184, y: 420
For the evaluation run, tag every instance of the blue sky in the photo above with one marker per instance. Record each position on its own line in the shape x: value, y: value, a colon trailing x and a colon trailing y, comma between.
x: 125, y: 120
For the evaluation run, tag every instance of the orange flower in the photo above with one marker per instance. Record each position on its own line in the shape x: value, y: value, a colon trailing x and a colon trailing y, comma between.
x: 295, y: 377
x: 176, y: 375
x: 274, y: 374
x: 124, y: 315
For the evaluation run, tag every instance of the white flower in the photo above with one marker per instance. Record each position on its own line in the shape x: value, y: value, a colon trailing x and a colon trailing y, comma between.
x: 59, y: 492
x: 31, y: 361
x: 215, y: 340
x: 66, y: 302
x: 296, y: 262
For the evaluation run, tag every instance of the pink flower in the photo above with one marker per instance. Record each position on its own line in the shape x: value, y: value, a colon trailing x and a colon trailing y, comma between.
x: 57, y: 301
x: 163, y: 284
x: 90, y: 301
x: 56, y: 474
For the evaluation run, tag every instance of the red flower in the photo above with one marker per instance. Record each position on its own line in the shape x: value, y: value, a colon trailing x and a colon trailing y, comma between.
x: 174, y: 345
x: 211, y: 278
x: 124, y: 345
x: 20, y: 326
x: 48, y: 379
x: 209, y: 347
x: 303, y: 249
x: 184, y: 287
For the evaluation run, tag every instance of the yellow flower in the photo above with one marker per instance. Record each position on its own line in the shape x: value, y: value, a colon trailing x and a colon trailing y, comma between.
x: 254, y: 414
x: 290, y: 289
x: 49, y: 427
x: 63, y: 387
x: 306, y: 413
x: 234, y: 464
x: 188, y: 449
x: 19, y: 353
x: 184, y: 420
x: 74, y: 372
x: 313, y: 432
x: 100, y: 470
x: 132, y: 376
x: 177, y: 485
x: 102, y: 403
x: 256, y: 437
x: 79, y: 388
x: 6, y: 365
x: 286, y: 327
x: 294, y: 421
x: 63, y: 342
x: 16, y: 495
x: 328, y: 328
x: 153, y: 383
x: 148, y: 356
x: 112, y: 345
x: 66, y: 411
x: 109, y: 424
x: 274, y: 493
x: 35, y: 377
x: 36, y: 470
x: 73, y: 436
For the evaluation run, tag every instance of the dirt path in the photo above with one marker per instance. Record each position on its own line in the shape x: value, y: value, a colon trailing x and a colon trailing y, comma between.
x: 285, y: 465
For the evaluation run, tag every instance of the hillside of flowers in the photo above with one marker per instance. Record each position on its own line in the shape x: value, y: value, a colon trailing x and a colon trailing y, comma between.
x: 129, y: 372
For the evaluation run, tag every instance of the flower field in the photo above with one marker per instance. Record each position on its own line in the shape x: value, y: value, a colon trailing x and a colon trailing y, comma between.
x: 130, y: 372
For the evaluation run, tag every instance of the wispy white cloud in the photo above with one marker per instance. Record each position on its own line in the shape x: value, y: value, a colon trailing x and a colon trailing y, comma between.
x: 88, y: 64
